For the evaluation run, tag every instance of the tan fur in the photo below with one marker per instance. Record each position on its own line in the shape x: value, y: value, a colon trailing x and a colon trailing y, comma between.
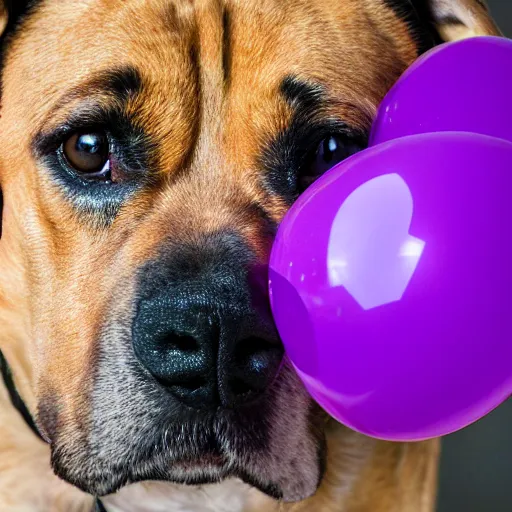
x: 51, y: 299
x: 27, y: 483
x: 473, y: 17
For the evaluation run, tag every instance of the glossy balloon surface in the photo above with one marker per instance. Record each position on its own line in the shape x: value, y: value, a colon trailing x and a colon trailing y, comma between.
x: 391, y: 285
x: 461, y: 86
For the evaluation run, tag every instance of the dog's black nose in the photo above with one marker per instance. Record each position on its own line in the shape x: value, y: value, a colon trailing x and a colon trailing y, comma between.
x: 202, y: 327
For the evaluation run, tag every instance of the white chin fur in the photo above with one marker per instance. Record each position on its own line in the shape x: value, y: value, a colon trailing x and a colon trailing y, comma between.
x: 229, y: 496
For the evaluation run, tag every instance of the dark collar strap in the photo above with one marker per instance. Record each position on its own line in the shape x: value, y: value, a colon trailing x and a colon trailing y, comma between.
x: 19, y: 405
x: 16, y: 400
x: 98, y: 506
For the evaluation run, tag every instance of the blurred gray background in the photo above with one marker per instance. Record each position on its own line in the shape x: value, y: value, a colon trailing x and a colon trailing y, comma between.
x: 502, y: 11
x: 476, y: 463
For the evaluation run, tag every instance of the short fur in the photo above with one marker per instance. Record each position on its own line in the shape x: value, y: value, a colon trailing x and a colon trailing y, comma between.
x: 216, y: 103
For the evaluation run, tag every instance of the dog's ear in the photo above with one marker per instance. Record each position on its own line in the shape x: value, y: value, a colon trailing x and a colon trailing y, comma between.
x: 10, y: 11
x: 460, y: 19
x: 3, y: 17
x: 7, y: 8
x: 3, y: 23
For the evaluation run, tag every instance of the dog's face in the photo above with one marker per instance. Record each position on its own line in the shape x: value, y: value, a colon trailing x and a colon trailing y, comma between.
x: 148, y: 152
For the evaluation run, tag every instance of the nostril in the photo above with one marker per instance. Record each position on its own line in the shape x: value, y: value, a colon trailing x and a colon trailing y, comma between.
x: 240, y: 388
x: 251, y: 347
x: 259, y: 358
x: 252, y: 367
x: 179, y: 342
x: 180, y: 362
x: 196, y: 391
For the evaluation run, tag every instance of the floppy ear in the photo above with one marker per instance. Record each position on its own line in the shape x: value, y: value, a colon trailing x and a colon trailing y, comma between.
x: 3, y: 24
x: 460, y: 19
x: 11, y: 11
x: 3, y: 17
x: 6, y: 6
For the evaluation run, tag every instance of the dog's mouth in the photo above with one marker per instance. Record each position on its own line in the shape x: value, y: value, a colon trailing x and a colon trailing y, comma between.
x: 275, y: 445
x: 189, y: 452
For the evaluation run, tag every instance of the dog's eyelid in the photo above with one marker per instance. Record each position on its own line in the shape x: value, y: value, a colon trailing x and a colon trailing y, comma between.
x: 45, y: 142
x: 94, y: 102
x: 89, y: 116
x: 309, y: 135
x: 338, y: 127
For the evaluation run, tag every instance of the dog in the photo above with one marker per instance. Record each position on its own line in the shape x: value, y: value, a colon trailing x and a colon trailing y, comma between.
x: 148, y: 151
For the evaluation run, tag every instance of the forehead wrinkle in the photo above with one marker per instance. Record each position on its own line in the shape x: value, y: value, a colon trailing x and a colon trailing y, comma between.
x: 208, y: 43
x: 178, y: 15
x: 171, y: 120
x: 169, y: 104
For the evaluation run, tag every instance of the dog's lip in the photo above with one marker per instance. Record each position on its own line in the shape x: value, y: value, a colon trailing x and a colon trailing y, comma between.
x: 203, y: 470
x: 210, y: 463
x: 212, y: 459
x: 268, y: 488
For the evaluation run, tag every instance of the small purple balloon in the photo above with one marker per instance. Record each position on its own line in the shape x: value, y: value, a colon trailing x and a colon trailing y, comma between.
x: 390, y: 277
x: 462, y: 86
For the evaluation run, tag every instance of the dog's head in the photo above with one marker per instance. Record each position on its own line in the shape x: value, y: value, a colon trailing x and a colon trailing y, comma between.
x: 148, y: 151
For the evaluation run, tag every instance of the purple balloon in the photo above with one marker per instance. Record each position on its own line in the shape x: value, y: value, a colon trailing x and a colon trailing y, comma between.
x: 389, y: 277
x: 391, y: 285
x: 461, y: 86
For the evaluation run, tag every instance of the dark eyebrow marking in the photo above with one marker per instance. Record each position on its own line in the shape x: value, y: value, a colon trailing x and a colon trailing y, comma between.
x: 226, y: 44
x: 121, y: 83
x: 301, y: 94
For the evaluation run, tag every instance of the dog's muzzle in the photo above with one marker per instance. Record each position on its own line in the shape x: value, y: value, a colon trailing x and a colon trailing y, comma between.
x: 200, y: 329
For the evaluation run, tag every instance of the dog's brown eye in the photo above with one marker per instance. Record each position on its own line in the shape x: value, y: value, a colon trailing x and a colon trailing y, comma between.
x: 88, y: 153
x: 332, y: 150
